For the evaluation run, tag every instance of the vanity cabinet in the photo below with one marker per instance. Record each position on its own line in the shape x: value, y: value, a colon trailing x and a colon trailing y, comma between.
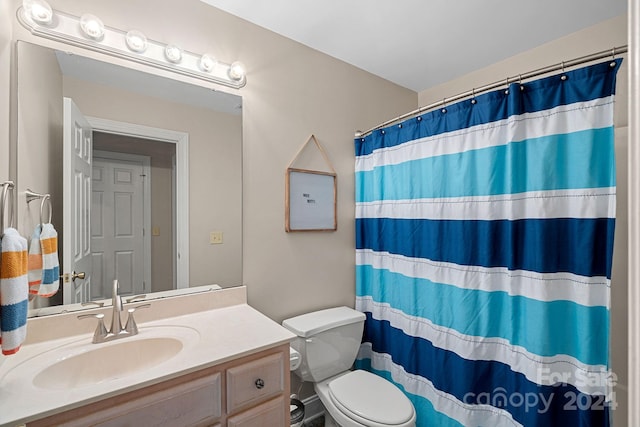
x: 251, y: 391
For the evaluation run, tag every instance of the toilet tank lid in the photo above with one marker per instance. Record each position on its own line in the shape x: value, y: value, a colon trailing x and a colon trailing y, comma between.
x: 309, y: 324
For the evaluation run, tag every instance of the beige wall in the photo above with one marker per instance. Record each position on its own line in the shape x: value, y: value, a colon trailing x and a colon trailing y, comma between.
x: 294, y: 92
x: 600, y: 37
x: 39, y: 132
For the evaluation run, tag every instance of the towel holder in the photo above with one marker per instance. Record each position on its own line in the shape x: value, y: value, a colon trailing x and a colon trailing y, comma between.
x: 45, y: 199
x: 7, y: 187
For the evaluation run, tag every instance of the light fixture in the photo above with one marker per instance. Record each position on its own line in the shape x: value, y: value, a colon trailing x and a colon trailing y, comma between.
x: 207, y: 62
x: 39, y: 11
x: 173, y: 53
x: 92, y: 26
x: 136, y: 41
x: 88, y: 32
x: 237, y: 71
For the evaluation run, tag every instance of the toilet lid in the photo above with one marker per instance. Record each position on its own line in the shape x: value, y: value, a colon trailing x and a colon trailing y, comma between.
x: 371, y: 398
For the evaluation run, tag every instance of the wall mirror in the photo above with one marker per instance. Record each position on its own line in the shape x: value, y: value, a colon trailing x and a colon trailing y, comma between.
x: 146, y: 186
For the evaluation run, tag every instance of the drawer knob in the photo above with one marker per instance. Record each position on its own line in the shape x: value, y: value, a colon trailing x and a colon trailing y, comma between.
x: 259, y: 383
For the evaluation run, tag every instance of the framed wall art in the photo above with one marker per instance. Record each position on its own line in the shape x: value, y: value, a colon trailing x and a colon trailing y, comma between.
x: 311, y: 197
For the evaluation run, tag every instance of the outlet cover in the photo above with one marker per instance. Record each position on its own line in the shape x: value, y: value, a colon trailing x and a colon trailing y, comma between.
x: 215, y: 237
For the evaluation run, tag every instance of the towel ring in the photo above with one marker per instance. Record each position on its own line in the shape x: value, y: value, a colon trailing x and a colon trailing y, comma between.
x: 45, y: 199
x: 7, y: 187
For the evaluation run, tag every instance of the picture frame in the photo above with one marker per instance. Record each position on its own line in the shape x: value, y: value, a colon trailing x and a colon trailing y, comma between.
x: 310, y: 200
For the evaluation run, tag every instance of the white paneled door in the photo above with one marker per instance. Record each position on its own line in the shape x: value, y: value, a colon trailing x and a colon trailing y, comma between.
x: 117, y: 223
x: 76, y: 241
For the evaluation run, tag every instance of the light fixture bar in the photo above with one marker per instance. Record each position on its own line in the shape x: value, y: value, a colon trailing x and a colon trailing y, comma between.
x: 66, y: 28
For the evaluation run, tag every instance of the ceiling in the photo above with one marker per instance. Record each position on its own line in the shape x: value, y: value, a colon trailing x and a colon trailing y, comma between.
x: 421, y: 43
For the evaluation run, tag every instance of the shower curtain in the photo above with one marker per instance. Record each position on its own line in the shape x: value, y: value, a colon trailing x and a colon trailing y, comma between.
x: 484, y: 240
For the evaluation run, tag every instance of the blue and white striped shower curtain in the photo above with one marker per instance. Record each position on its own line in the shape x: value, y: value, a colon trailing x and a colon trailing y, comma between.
x: 484, y: 243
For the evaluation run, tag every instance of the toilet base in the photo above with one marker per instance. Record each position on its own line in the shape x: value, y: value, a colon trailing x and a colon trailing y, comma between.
x: 329, y: 421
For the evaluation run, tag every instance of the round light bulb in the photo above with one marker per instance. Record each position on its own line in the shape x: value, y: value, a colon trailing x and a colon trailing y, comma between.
x: 92, y: 26
x: 237, y: 71
x: 207, y: 62
x: 173, y: 53
x: 39, y: 11
x: 136, y: 41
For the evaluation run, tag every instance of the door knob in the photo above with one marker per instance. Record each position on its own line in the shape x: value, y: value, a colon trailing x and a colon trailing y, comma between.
x: 71, y: 277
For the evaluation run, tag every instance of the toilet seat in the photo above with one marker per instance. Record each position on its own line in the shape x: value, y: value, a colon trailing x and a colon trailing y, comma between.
x: 370, y: 400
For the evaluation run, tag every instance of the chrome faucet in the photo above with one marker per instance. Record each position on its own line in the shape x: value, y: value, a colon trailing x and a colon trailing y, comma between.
x: 116, y: 305
x: 117, y: 331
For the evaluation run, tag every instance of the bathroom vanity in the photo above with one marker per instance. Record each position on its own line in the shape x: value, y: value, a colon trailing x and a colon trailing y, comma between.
x: 207, y: 359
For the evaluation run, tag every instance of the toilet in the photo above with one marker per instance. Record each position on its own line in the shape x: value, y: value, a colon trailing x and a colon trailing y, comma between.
x: 328, y: 342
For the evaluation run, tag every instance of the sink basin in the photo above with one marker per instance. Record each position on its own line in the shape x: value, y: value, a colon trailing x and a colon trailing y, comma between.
x: 108, y: 362
x: 79, y: 363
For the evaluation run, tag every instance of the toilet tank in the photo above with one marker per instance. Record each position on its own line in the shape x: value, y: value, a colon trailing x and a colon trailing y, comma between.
x: 328, y: 341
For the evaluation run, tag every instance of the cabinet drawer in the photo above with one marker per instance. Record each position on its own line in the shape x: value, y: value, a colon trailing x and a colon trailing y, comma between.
x: 270, y: 413
x: 195, y: 402
x: 252, y: 382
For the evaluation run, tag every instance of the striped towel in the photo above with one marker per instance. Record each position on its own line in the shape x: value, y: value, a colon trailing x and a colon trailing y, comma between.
x: 50, y: 264
x: 35, y: 261
x: 14, y: 290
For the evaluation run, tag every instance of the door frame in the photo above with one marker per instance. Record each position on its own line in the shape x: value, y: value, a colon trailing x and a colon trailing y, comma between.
x: 145, y: 162
x: 633, y: 190
x: 181, y: 140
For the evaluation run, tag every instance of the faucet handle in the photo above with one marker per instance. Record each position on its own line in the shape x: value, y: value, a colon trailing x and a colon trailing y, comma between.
x: 131, y: 327
x: 136, y: 298
x: 101, y: 331
x: 97, y: 303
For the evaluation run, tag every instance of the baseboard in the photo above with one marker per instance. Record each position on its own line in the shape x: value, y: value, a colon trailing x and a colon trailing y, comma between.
x: 312, y: 407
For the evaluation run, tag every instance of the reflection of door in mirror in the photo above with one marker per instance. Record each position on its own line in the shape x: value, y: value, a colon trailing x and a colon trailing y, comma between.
x: 76, y: 249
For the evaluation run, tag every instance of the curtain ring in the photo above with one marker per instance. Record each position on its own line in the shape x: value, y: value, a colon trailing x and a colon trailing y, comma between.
x: 612, y: 64
x: 564, y: 76
x: 520, y: 82
x: 473, y: 96
x: 46, y: 200
x: 506, y: 92
x: 444, y: 105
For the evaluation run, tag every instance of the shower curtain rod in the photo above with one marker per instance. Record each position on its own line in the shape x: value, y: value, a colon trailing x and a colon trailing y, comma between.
x: 505, y: 82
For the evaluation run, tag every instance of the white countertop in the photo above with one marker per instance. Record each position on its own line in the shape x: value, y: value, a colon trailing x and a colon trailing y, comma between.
x: 221, y: 335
